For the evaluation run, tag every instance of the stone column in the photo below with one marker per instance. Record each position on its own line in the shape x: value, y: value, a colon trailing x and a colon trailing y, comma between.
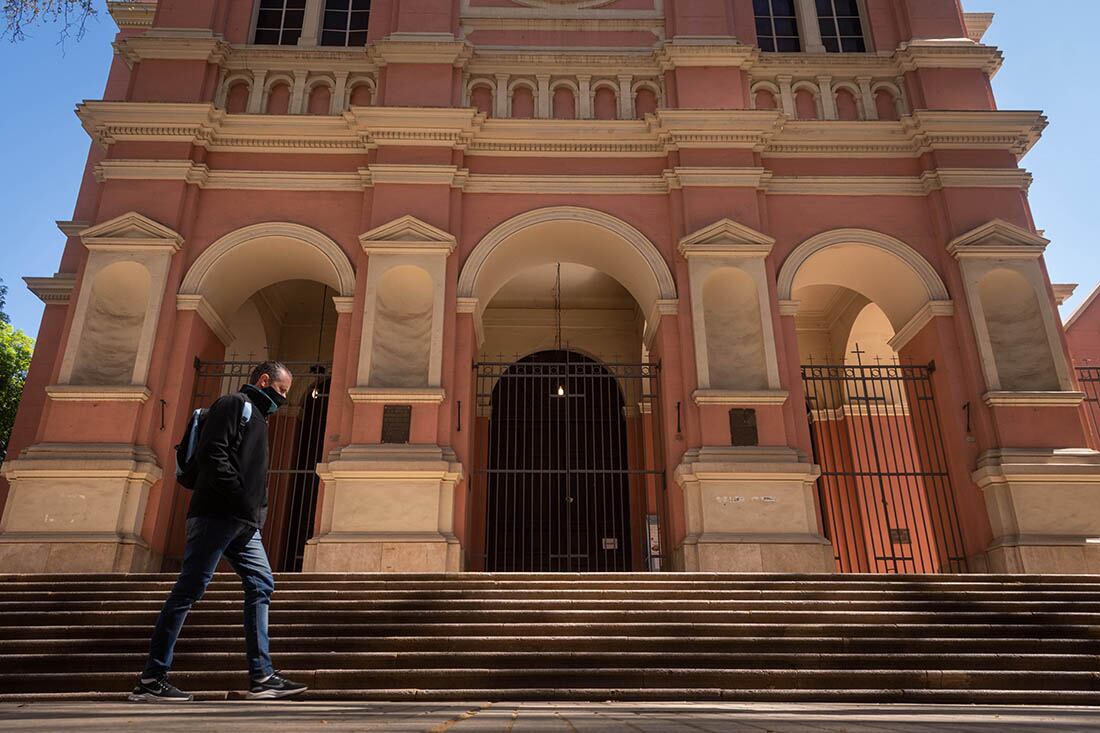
x: 298, y: 94
x: 542, y: 102
x: 339, y: 92
x: 786, y: 96
x: 870, y: 109
x: 502, y: 98
x: 256, y: 93
x: 828, y: 101
x: 626, y: 97
x: 584, y: 100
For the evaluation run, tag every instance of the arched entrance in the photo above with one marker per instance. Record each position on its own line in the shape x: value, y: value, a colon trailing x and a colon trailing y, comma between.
x: 886, y: 492
x: 267, y: 292
x: 568, y: 473
x: 558, y: 476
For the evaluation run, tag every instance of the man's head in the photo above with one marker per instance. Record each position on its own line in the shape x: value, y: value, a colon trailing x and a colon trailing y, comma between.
x: 272, y: 378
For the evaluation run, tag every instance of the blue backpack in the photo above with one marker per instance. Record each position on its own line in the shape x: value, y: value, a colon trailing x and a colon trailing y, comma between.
x: 187, y: 468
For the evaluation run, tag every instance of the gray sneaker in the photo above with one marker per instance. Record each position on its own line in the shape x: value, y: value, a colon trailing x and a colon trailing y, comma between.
x: 158, y: 691
x: 274, y: 687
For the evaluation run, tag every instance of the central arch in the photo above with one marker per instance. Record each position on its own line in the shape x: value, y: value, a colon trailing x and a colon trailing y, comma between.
x: 578, y: 235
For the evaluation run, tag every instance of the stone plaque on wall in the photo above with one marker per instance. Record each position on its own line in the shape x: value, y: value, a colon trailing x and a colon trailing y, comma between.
x: 396, y: 423
x: 743, y: 427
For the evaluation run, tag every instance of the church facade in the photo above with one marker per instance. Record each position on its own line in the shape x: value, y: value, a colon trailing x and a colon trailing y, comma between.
x: 566, y: 285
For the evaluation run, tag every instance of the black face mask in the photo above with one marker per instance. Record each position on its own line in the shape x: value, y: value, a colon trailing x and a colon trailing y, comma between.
x: 277, y: 400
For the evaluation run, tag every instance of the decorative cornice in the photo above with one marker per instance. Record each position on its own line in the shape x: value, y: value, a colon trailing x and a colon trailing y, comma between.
x: 466, y: 305
x: 131, y: 231
x: 407, y: 235
x: 725, y: 238
x: 54, y: 290
x: 673, y: 178
x: 667, y: 306
x: 684, y: 51
x: 1063, y: 292
x: 998, y: 238
x: 1033, y: 399
x: 98, y: 393
x: 739, y: 398
x: 789, y: 307
x: 564, y: 184
x: 397, y: 395
x: 178, y: 44
x: 210, y: 317
x: 444, y: 175
x: 343, y: 303
x: 948, y: 54
x: 682, y: 176
x: 132, y: 13
x: 420, y: 48
x: 975, y: 130
x: 767, y: 132
x: 71, y: 228
x: 932, y: 309
x: 844, y: 186
x: 1015, y: 178
x: 977, y: 24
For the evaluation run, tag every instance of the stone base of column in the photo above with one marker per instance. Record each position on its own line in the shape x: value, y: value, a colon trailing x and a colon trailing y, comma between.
x: 1044, y: 507
x: 750, y: 510
x: 78, y: 508
x: 387, y: 509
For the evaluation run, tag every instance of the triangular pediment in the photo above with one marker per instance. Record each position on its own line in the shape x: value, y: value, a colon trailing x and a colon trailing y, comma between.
x: 726, y: 236
x: 998, y: 237
x: 131, y: 230
x: 407, y: 233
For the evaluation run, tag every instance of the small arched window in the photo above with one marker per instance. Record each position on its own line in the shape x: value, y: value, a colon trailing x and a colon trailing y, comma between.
x: 236, y: 99
x: 481, y: 97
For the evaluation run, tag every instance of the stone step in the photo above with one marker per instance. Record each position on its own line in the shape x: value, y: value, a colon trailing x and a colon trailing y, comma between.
x: 139, y: 644
x: 282, y: 604
x: 688, y: 581
x: 202, y: 615
x: 284, y: 629
x: 132, y: 662
x: 221, y: 591
x: 945, y: 696
x: 604, y: 677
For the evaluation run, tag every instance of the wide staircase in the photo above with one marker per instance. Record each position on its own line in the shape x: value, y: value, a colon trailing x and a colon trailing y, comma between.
x: 966, y: 639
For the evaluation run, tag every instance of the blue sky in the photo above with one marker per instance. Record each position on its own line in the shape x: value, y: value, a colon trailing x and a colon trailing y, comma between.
x: 46, y: 146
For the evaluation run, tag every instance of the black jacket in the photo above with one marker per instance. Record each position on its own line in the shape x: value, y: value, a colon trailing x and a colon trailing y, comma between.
x: 232, y: 483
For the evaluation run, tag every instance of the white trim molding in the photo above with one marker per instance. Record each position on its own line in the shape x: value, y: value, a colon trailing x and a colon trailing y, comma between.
x: 96, y: 393
x: 55, y: 290
x: 932, y: 309
x: 397, y: 395
x: 1033, y: 399
x: 740, y: 398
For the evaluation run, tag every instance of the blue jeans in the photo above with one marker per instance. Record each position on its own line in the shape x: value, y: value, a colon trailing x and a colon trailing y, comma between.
x: 208, y: 540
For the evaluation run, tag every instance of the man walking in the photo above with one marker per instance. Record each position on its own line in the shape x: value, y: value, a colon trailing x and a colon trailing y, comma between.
x: 224, y: 520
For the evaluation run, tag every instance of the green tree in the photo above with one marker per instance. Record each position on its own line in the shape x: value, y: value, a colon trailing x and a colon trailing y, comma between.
x: 71, y: 15
x: 16, y: 348
x: 15, y: 359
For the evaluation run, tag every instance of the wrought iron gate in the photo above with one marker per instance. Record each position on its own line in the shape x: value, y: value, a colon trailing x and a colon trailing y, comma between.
x: 885, y: 493
x: 1089, y: 379
x: 295, y: 439
x: 570, y: 473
